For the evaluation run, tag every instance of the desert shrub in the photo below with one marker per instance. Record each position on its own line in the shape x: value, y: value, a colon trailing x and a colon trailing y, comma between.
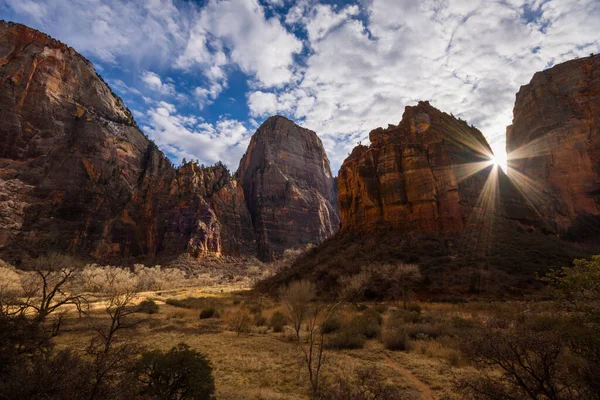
x: 368, y: 323
x: 396, y: 338
x: 347, y: 338
x: 255, y: 309
x: 380, y: 308
x: 210, y: 312
x: 532, y: 365
x: 180, y: 373
x: 332, y: 324
x: 404, y: 316
x: 424, y: 331
x: 458, y: 322
x: 147, y: 307
x: 414, y: 307
x: 189, y: 302
x: 259, y: 320
x: 367, y: 384
x: 240, y: 321
x: 277, y: 321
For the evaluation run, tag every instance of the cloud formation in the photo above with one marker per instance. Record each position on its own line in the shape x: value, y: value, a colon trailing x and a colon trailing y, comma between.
x: 340, y: 70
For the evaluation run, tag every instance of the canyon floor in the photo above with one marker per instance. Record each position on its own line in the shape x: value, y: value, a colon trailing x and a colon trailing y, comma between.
x: 262, y: 364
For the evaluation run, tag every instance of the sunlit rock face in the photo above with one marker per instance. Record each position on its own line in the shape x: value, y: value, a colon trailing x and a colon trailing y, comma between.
x: 77, y: 175
x: 426, y: 174
x: 553, y: 144
x: 288, y: 187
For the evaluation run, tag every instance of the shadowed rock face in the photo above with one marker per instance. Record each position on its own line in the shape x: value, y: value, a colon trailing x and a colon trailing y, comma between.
x: 425, y: 175
x: 554, y: 142
x: 76, y: 174
x: 288, y: 187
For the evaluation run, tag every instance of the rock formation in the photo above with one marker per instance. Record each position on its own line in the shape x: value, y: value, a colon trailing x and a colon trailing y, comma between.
x: 553, y: 144
x: 77, y: 175
x: 288, y: 187
x: 426, y: 174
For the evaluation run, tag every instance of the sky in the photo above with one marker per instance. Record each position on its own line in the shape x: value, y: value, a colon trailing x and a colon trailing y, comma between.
x: 201, y: 76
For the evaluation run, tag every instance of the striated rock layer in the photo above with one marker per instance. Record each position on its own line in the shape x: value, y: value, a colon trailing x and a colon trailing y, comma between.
x: 288, y: 187
x: 553, y: 144
x: 76, y: 174
x: 426, y: 174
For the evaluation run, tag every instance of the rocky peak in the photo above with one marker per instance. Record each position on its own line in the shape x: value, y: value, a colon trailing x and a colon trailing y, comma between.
x: 553, y: 144
x: 411, y: 176
x: 288, y: 186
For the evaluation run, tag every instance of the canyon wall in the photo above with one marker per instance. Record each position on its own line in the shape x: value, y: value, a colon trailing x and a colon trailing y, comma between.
x: 288, y: 187
x: 553, y: 144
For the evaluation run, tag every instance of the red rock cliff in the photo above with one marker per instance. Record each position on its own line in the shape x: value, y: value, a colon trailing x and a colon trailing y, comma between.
x: 76, y: 174
x: 554, y: 142
x: 288, y: 187
x: 415, y: 176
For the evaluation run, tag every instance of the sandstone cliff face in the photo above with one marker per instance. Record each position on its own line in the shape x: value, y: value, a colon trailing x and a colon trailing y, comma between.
x: 554, y: 141
x: 76, y: 174
x: 288, y: 187
x: 415, y: 176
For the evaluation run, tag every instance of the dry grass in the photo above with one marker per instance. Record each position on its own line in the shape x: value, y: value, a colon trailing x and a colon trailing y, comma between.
x: 261, y: 364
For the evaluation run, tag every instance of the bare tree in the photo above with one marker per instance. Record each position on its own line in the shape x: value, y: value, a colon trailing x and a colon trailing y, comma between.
x: 296, y: 299
x: 46, y: 288
x: 404, y: 277
x: 299, y: 301
x: 240, y: 320
x: 110, y: 354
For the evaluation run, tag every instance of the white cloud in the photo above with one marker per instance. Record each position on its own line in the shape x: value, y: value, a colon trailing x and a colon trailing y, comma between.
x: 184, y: 136
x: 261, y: 47
x: 467, y: 57
x: 154, y: 82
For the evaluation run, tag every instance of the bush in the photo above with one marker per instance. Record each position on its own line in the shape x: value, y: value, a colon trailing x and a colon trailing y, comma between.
x: 277, y: 321
x: 406, y: 316
x: 331, y: 325
x: 209, y: 312
x: 181, y: 373
x: 424, y: 331
x: 147, y: 307
x: 259, y: 320
x: 368, y: 324
x: 414, y: 307
x: 347, y: 338
x: 396, y: 338
x: 188, y: 302
x: 380, y: 308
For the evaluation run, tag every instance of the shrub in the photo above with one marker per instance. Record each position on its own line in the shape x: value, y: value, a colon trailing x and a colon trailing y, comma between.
x: 209, y: 312
x: 331, y: 325
x: 255, y: 309
x: 414, y: 307
x: 181, y: 373
x: 259, y: 320
x: 188, y: 302
x: 368, y: 324
x: 277, y: 321
x: 424, y: 331
x: 380, y: 308
x: 399, y: 317
x: 148, y: 307
x: 396, y: 338
x: 347, y: 338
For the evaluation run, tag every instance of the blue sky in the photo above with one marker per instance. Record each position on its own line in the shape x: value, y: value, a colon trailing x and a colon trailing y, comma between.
x: 200, y: 76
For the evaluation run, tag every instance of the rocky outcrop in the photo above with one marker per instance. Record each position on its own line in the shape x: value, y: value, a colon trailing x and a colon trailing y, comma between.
x: 77, y: 175
x: 424, y: 175
x: 553, y: 144
x: 288, y: 187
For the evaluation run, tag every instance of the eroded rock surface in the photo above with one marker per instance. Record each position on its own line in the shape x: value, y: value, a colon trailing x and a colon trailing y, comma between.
x: 554, y: 143
x: 77, y: 175
x: 288, y: 187
x: 425, y: 175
